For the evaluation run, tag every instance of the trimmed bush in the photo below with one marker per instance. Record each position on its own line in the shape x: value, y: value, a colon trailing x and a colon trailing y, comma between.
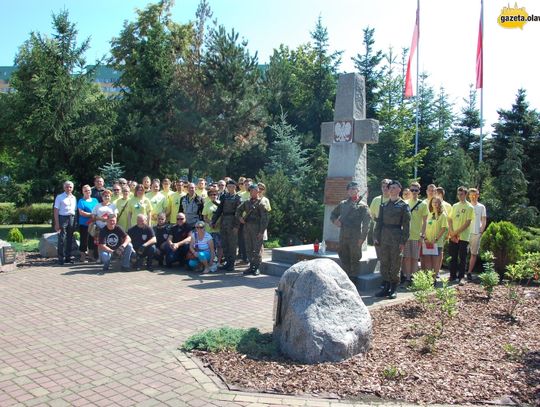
x: 504, y: 241
x: 15, y: 235
x: 32, y: 214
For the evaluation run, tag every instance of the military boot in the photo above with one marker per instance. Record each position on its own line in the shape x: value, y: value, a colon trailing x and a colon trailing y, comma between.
x: 384, y: 290
x: 392, y: 292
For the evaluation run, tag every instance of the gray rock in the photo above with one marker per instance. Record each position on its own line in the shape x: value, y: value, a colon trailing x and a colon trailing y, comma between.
x: 48, y: 245
x: 322, y: 318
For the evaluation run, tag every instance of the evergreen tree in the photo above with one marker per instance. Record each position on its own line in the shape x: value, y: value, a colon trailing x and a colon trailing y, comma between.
x: 454, y: 170
x: 465, y: 132
x: 286, y: 153
x: 59, y: 121
x: 367, y: 65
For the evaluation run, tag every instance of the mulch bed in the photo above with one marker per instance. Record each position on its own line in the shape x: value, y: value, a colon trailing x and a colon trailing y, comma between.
x: 482, y: 357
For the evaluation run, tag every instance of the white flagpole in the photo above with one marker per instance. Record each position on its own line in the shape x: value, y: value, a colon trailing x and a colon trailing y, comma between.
x: 417, y: 82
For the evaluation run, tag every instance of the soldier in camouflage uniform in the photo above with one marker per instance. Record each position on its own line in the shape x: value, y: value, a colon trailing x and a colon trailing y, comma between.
x: 391, y: 234
x: 254, y: 216
x: 226, y: 209
x: 353, y: 217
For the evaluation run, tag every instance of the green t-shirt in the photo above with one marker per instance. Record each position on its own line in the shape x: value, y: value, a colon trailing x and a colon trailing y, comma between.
x: 136, y: 207
x: 174, y: 206
x: 417, y: 217
x: 121, y: 205
x: 376, y: 205
x: 462, y: 212
x: 159, y: 204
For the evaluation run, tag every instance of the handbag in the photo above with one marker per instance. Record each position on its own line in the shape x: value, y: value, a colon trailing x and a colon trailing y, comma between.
x: 93, y: 229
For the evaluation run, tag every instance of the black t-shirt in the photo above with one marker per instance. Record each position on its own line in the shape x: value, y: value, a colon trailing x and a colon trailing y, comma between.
x: 112, y: 238
x: 140, y: 236
x: 96, y: 193
x: 180, y: 233
x: 162, y: 234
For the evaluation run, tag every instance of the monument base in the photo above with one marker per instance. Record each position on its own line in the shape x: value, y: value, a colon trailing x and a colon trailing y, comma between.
x: 366, y: 278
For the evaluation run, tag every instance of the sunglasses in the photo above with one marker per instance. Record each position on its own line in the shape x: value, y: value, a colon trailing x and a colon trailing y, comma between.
x: 180, y: 218
x: 414, y: 190
x: 199, y: 227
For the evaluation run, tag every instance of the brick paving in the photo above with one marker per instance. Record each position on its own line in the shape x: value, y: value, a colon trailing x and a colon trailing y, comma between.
x: 69, y: 337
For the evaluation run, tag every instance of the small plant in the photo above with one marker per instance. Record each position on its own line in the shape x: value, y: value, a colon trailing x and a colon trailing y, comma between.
x: 15, y: 235
x: 423, y: 287
x: 447, y: 297
x: 391, y: 373
x: 489, y: 278
x: 514, y: 353
x: 76, y: 236
x: 525, y: 270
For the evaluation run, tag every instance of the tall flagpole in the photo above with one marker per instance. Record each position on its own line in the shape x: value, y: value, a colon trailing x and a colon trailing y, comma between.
x: 417, y: 82
x: 480, y: 75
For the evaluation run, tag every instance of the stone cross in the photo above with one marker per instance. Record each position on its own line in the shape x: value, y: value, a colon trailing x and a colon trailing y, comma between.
x: 347, y: 137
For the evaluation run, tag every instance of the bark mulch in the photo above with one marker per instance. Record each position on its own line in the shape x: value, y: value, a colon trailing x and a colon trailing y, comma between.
x: 482, y: 357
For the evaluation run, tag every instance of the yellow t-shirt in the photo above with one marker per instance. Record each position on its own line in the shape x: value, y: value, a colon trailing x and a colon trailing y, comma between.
x: 244, y: 196
x: 174, y: 206
x: 447, y: 208
x: 417, y: 217
x: 435, y: 223
x: 462, y: 212
x: 123, y: 209
x: 159, y: 204
x: 376, y: 205
x: 136, y: 207
x: 208, y: 211
x: 202, y: 193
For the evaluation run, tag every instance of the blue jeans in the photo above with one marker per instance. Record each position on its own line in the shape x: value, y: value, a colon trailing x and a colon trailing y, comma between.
x: 178, y: 255
x: 106, y: 257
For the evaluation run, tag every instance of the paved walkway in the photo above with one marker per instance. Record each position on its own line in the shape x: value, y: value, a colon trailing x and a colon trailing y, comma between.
x: 69, y: 337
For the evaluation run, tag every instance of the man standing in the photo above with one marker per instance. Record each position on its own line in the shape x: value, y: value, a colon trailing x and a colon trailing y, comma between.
x: 98, y: 188
x: 376, y: 204
x: 417, y: 232
x: 178, y: 241
x: 459, y: 232
x: 391, y: 234
x: 144, y: 242
x: 113, y: 239
x: 210, y: 207
x: 192, y: 206
x: 65, y: 205
x: 253, y: 215
x: 353, y: 218
x: 478, y: 227
x: 226, y: 210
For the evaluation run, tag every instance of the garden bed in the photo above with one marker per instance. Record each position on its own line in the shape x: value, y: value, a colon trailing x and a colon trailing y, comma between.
x: 483, y: 356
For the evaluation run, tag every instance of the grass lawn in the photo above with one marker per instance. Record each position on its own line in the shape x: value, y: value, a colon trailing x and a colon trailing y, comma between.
x: 31, y: 234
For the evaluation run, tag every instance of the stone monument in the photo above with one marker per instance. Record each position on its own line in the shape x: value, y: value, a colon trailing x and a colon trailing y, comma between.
x: 347, y: 136
x: 320, y: 316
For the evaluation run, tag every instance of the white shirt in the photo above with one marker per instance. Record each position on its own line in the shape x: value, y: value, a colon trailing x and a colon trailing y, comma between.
x: 479, y: 212
x: 65, y: 204
x: 101, y: 210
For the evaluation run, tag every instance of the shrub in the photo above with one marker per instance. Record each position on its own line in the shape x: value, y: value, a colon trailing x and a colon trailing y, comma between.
x: 7, y: 212
x: 15, y: 235
x: 32, y: 214
x: 531, y: 239
x: 422, y: 286
x: 503, y: 240
x: 272, y: 244
x: 489, y: 278
x: 248, y: 341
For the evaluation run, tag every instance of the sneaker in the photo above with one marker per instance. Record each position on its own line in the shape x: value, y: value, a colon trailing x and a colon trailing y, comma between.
x: 469, y: 277
x: 124, y: 268
x: 213, y: 268
x: 256, y: 272
x: 205, y: 271
x: 461, y: 281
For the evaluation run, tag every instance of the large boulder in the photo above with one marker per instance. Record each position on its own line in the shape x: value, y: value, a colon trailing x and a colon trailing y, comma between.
x: 48, y: 245
x: 322, y: 316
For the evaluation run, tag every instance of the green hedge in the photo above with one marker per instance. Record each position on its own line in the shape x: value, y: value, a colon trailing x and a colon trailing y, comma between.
x: 34, y: 214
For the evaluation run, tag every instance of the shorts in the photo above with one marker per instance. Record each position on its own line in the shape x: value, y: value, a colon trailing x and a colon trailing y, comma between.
x: 474, y: 243
x: 412, y: 249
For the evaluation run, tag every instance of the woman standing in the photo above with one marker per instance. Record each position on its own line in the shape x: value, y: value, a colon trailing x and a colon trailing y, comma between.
x: 85, y: 206
x: 436, y: 229
x: 122, y: 206
x: 139, y: 204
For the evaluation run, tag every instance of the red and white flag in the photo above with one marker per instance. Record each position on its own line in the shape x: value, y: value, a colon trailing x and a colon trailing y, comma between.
x: 409, y: 93
x: 480, y: 53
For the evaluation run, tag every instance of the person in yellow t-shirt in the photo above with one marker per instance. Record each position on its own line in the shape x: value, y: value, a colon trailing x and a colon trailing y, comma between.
x: 137, y: 205
x: 436, y: 228
x: 174, y: 202
x: 158, y: 200
x: 417, y: 232
x: 459, y: 231
x: 166, y: 185
x: 146, y: 182
x: 122, y: 207
x: 200, y: 190
x: 440, y: 193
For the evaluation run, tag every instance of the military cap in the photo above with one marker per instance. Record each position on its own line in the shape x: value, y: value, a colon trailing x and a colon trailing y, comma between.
x: 394, y: 182
x: 352, y: 184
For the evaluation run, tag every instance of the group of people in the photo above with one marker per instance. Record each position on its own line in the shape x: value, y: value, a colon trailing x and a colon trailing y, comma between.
x: 195, y: 225
x: 407, y: 230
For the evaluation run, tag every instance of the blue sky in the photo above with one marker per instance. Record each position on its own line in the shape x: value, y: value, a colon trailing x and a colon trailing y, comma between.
x: 447, y: 40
